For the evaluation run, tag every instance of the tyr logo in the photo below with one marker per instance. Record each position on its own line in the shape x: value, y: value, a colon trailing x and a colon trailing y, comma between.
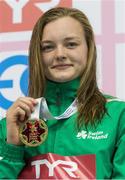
x: 68, y: 166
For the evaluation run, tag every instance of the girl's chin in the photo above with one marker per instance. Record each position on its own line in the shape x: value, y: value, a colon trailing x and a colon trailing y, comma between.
x: 62, y: 79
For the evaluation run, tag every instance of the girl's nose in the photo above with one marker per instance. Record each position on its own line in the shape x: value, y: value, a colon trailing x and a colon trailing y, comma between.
x: 60, y: 53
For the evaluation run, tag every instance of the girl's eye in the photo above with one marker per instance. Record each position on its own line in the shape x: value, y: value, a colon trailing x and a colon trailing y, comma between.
x: 71, y: 45
x: 47, y: 48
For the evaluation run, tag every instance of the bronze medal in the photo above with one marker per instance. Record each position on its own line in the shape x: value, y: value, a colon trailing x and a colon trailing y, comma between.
x: 33, y: 132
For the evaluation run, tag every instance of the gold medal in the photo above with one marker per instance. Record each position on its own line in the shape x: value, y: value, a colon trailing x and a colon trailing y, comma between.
x: 33, y: 132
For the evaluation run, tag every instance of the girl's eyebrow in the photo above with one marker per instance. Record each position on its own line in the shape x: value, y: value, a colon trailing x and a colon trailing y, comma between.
x: 72, y: 38
x: 45, y: 41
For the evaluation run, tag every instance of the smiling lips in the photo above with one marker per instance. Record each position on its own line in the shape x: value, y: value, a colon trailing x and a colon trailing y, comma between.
x: 62, y: 66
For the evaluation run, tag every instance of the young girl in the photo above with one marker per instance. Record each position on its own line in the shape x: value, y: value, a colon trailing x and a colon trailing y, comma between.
x: 82, y: 132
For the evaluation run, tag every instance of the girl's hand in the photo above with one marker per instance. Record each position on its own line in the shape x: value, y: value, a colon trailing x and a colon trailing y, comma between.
x: 19, y: 112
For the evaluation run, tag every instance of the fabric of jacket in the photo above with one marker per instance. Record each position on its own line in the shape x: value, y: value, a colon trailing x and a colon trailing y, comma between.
x: 106, y: 141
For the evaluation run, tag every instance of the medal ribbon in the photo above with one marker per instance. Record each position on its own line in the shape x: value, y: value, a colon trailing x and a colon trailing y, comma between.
x: 36, y: 113
x: 42, y: 109
x: 72, y: 109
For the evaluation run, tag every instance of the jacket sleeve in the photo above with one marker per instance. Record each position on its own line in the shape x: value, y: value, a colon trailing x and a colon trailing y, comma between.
x: 119, y: 154
x: 11, y: 156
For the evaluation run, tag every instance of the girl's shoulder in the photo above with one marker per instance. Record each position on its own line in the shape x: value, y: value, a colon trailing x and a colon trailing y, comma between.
x: 114, y: 99
x: 115, y: 105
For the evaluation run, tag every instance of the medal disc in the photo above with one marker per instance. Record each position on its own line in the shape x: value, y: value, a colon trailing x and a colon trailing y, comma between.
x: 33, y: 132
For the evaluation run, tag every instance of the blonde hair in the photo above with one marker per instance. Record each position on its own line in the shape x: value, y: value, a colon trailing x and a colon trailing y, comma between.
x: 91, y: 102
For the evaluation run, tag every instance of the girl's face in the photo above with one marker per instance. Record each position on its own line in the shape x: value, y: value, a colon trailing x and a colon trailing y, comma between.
x: 64, y: 49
